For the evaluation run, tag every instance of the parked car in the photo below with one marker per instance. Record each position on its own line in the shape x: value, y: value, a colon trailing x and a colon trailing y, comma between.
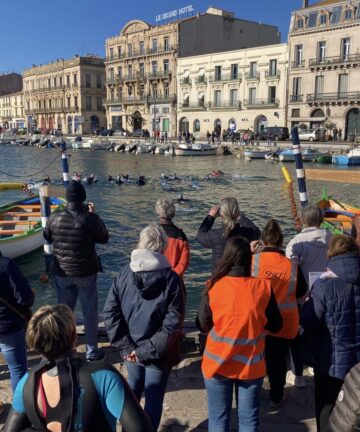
x: 139, y: 133
x: 122, y: 132
x: 276, y: 133
x: 309, y: 135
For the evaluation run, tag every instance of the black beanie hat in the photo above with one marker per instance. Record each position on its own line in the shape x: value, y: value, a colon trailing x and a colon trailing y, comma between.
x: 75, y: 192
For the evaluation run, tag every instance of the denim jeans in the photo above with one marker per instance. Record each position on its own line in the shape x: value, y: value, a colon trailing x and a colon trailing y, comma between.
x: 152, y: 382
x: 220, y: 395
x: 68, y: 289
x: 13, y: 348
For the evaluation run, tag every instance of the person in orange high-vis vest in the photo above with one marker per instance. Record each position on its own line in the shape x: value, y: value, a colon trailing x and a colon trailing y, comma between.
x: 237, y: 310
x: 271, y: 263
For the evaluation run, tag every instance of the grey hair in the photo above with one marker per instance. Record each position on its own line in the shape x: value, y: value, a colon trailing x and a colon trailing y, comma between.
x: 312, y: 216
x: 229, y: 211
x: 165, y: 209
x: 153, y: 238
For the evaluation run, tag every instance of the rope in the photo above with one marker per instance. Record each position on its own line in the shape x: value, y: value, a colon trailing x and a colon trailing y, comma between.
x: 32, y: 174
x: 293, y: 207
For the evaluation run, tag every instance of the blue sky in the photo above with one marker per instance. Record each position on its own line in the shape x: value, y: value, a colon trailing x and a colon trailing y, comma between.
x: 39, y: 31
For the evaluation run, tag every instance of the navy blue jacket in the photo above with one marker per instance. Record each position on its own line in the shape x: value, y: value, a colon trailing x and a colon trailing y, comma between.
x: 332, y: 316
x: 144, y: 312
x: 15, y: 290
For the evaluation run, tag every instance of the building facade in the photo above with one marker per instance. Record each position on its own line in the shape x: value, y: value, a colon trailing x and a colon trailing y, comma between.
x: 141, y: 77
x: 324, y: 74
x: 242, y: 89
x: 141, y: 64
x: 66, y: 95
x: 12, y: 111
x: 10, y: 83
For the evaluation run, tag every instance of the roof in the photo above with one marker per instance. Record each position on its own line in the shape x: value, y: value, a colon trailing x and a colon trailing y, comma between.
x: 18, y: 93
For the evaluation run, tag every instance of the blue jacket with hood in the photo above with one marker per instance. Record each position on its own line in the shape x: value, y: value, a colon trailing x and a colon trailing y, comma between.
x: 145, y: 310
x: 332, y: 316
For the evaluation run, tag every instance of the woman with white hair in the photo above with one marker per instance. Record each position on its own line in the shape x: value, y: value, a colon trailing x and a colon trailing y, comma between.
x: 143, y: 316
x: 234, y: 224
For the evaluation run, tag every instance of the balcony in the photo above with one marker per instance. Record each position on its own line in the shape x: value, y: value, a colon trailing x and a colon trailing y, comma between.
x: 263, y: 103
x: 159, y: 75
x: 223, y: 77
x: 201, y: 79
x: 252, y: 76
x: 225, y: 105
x: 142, y: 53
x: 269, y: 75
x: 52, y: 110
x: 72, y: 109
x: 128, y: 100
x: 46, y: 89
x: 197, y: 106
x: 161, y: 99
x: 333, y: 98
x: 296, y: 98
x: 185, y: 81
x: 334, y: 62
x: 298, y: 64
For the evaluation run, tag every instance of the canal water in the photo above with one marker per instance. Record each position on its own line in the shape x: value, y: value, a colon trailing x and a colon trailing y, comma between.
x: 126, y: 209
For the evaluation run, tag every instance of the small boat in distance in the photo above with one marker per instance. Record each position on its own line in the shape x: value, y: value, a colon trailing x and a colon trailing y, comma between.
x: 257, y: 153
x: 195, y: 150
x: 308, y: 155
x: 20, y: 225
x: 350, y: 158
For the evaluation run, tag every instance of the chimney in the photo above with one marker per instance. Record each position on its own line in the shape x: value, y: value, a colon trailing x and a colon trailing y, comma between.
x: 305, y: 4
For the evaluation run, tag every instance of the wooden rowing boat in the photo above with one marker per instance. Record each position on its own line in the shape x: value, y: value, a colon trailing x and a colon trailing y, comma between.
x: 20, y: 226
x: 337, y: 213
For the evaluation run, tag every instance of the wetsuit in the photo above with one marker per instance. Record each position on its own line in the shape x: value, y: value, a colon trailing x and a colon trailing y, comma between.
x: 94, y: 396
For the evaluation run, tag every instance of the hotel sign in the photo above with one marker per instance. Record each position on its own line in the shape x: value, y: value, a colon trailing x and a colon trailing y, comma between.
x: 175, y: 14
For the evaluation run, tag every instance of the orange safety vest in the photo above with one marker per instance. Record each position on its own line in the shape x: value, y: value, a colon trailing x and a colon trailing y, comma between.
x: 235, y: 345
x: 283, y: 275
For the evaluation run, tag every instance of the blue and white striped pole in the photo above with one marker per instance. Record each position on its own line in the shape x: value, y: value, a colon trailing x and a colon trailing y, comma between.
x: 45, y: 202
x: 300, y: 172
x: 65, y: 168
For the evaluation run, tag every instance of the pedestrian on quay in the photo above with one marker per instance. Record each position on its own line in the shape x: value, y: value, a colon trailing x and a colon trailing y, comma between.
x: 208, y: 136
x: 288, y: 284
x: 309, y: 250
x: 340, y: 134
x: 63, y: 392
x: 166, y: 137
x: 74, y: 232
x: 213, y: 137
x: 335, y: 133
x: 179, y: 138
x: 177, y: 250
x: 234, y: 224
x: 332, y: 315
x: 143, y: 316
x: 268, y: 136
x: 237, y: 310
x: 16, y: 299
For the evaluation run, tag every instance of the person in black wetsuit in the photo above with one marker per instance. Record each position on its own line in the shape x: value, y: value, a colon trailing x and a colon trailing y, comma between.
x: 70, y: 394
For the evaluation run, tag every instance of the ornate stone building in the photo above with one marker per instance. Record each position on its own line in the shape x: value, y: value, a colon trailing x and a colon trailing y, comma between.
x: 12, y: 111
x: 66, y: 95
x: 141, y: 77
x: 242, y: 89
x: 324, y: 75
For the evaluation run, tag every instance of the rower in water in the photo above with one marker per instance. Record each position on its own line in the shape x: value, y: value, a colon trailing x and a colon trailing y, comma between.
x: 181, y: 200
x: 91, y: 179
x: 140, y: 180
x: 118, y: 180
x: 76, y: 177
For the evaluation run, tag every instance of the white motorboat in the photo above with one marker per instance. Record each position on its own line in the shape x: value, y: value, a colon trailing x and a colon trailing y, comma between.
x: 7, y: 137
x: 308, y: 155
x: 194, y: 150
x: 257, y: 153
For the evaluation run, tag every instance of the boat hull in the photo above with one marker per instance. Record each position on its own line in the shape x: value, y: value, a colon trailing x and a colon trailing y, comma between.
x: 338, y: 213
x: 346, y: 160
x: 252, y: 154
x: 194, y: 150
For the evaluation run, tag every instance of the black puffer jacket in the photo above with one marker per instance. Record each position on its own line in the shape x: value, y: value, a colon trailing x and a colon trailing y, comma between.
x: 73, y: 233
x: 345, y: 417
x: 215, y: 238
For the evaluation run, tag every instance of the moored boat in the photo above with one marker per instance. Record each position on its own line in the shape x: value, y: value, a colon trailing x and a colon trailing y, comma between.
x: 350, y: 158
x: 308, y: 155
x: 257, y: 153
x: 20, y: 226
x: 325, y: 159
x: 195, y: 150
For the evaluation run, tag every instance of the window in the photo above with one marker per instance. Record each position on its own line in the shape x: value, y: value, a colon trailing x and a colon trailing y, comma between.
x: 336, y: 14
x: 130, y: 71
x: 67, y: 80
x: 166, y: 92
x: 272, y: 94
x: 142, y: 91
x: 342, y: 85
x: 348, y: 14
x: 319, y: 85
x: 99, y: 103
x: 295, y: 112
x: 55, y: 81
x: 233, y: 97
x: 273, y: 67
x: 252, y: 95
x: 141, y: 48
x: 49, y: 83
x: 323, y: 19
x: 111, y: 53
x: 300, y: 23
x: 119, y: 72
x: 88, y: 103
x: 142, y: 70
x: 49, y: 103
x: 88, y: 78
x: 312, y: 19
x: 154, y: 45
x: 217, y: 97
x: 234, y: 71
x: 358, y: 12
x: 68, y: 102
x: 166, y: 44
x: 111, y: 74
x: 298, y: 55
x: 166, y: 110
x: 253, y: 69
x: 119, y: 51
x: 296, y: 90
x: 130, y: 50
x: 154, y: 67
x: 217, y: 73
x: 196, y: 125
x: 98, y: 81
x: 60, y: 81
x: 166, y: 66
x: 345, y: 48
x: 76, y: 102
x: 75, y: 78
x: 154, y: 90
x: 321, y: 51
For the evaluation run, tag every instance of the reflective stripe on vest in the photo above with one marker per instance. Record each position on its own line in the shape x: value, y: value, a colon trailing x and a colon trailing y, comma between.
x: 231, y: 341
x: 238, y: 358
x: 289, y: 303
x: 256, y: 265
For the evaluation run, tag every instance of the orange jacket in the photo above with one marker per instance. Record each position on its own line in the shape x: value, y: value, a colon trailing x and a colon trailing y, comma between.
x: 177, y: 251
x: 283, y: 275
x: 235, y: 345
